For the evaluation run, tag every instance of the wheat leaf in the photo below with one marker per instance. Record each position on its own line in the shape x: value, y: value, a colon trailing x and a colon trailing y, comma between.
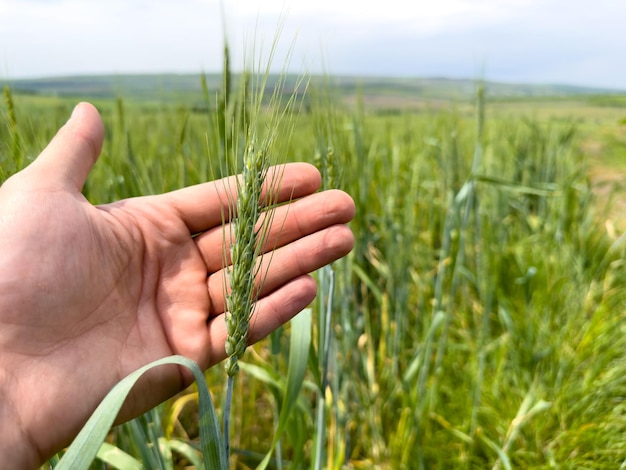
x: 298, y: 360
x: 88, y: 442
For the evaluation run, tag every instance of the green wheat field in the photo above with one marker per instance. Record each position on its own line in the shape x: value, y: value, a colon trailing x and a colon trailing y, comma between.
x: 480, y: 321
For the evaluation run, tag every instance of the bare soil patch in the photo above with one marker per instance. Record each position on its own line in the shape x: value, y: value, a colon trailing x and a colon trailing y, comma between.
x: 609, y: 189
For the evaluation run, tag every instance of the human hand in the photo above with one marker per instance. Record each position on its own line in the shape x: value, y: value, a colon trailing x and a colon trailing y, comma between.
x: 89, y: 294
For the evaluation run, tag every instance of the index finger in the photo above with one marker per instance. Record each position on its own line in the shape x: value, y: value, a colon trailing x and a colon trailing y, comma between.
x: 204, y: 206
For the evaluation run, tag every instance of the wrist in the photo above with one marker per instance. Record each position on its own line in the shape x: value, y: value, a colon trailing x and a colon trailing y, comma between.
x: 16, y: 446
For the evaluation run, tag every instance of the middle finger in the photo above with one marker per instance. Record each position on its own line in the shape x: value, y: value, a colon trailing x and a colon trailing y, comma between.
x: 287, y: 223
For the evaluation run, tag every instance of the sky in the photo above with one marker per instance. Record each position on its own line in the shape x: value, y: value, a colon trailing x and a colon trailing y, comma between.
x: 521, y: 41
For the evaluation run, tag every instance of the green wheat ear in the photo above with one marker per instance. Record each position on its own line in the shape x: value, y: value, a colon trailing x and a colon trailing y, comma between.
x: 244, y: 252
x: 259, y: 130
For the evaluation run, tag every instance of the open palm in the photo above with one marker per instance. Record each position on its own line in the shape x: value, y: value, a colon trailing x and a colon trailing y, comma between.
x: 89, y: 293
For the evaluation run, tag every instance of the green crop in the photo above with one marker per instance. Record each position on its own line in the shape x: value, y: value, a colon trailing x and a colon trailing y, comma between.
x: 479, y: 321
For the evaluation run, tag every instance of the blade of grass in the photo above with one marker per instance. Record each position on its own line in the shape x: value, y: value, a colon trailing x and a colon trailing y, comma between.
x: 86, y: 445
x: 117, y: 458
x: 187, y: 451
x: 324, y: 326
x: 298, y: 360
x: 175, y: 410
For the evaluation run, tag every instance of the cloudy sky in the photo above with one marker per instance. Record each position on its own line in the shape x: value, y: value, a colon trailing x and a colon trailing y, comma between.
x: 537, y: 41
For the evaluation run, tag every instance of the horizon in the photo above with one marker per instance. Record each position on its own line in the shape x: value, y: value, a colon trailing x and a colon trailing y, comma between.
x: 346, y: 76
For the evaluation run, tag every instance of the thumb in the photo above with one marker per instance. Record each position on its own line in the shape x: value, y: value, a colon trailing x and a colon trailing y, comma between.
x: 69, y: 157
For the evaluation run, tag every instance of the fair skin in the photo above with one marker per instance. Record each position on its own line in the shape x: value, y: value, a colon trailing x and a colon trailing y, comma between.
x: 89, y: 293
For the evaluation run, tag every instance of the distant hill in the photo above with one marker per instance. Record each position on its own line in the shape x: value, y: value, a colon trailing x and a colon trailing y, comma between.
x: 384, y: 89
x: 149, y: 86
